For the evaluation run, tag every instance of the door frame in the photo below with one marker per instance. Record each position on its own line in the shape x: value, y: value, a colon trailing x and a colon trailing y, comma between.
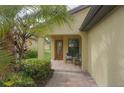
x: 55, y: 50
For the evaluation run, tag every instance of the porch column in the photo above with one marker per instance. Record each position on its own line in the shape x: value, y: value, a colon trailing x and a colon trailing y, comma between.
x: 65, y: 47
x: 40, y: 48
x: 52, y: 48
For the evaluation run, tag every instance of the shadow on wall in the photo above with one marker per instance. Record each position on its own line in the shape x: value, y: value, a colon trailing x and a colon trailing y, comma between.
x: 108, y: 58
x: 107, y: 54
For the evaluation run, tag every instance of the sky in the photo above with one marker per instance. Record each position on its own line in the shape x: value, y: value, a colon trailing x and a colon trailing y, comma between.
x: 71, y: 6
x: 23, y: 13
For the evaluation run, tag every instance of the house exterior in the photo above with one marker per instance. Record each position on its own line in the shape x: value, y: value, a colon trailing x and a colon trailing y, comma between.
x: 97, y: 34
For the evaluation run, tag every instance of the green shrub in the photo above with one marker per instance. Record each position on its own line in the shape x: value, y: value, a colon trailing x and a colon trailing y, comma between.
x: 18, y: 80
x: 1, y: 83
x: 39, y: 70
x: 30, y: 54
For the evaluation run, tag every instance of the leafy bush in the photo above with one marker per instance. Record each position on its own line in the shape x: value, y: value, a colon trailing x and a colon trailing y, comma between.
x: 18, y: 80
x: 39, y: 70
x: 32, y: 72
x: 1, y: 83
x: 30, y: 54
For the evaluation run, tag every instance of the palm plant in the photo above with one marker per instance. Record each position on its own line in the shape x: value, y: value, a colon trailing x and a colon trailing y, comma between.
x: 20, y: 23
x: 38, y: 21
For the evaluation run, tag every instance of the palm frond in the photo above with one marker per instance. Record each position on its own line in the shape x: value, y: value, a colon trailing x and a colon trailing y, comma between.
x: 5, y: 61
x: 46, y: 18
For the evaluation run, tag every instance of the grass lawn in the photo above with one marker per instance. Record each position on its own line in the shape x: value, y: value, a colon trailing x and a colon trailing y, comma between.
x: 33, y: 54
x: 47, y: 55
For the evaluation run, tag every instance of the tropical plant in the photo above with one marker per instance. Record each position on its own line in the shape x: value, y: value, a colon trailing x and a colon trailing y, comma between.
x: 6, y: 59
x: 37, y: 22
x: 23, y: 22
x: 7, y: 14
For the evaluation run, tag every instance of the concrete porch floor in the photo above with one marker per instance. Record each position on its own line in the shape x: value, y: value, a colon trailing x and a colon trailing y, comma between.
x: 69, y: 75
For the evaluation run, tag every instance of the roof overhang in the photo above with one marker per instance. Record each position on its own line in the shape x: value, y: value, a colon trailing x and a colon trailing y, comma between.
x: 95, y: 14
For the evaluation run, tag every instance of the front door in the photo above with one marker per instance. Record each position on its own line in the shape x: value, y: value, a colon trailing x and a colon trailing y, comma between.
x: 58, y: 49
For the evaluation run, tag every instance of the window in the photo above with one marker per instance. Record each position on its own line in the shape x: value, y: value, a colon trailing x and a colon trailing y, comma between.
x: 73, y: 47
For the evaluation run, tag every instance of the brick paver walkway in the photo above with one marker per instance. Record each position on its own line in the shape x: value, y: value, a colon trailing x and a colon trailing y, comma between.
x: 69, y: 75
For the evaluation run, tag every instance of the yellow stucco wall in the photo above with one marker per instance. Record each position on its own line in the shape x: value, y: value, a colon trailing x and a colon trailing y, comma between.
x: 41, y: 48
x: 74, y: 25
x: 105, y: 49
x: 84, y: 51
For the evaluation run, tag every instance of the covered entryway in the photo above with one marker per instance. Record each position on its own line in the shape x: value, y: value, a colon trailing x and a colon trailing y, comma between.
x: 64, y: 45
